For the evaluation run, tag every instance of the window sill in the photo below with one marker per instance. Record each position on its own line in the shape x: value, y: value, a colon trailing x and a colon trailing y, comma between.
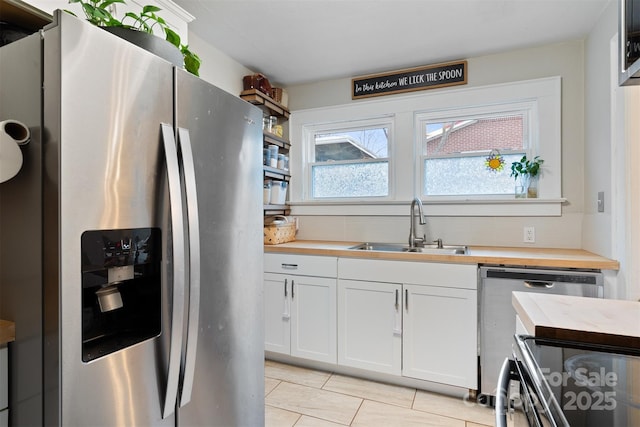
x: 435, y: 207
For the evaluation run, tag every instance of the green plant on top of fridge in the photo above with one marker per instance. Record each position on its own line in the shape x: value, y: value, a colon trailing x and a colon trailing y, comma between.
x: 97, y: 12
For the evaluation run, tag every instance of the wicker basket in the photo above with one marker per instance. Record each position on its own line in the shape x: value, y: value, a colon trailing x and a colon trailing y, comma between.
x: 274, y: 234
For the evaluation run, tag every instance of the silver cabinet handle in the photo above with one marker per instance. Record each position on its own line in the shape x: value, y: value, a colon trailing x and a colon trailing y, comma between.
x: 179, y: 269
x: 193, y: 222
x: 285, y: 288
x: 292, y: 284
x: 289, y: 266
x: 406, y: 299
x: 397, y: 322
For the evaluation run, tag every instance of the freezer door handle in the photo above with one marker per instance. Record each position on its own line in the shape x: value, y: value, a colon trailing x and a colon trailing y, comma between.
x: 193, y: 223
x: 179, y: 269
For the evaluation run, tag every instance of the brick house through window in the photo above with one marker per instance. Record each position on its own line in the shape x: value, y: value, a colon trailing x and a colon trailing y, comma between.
x: 503, y: 133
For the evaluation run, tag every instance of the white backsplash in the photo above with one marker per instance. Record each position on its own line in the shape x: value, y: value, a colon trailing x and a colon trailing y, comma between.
x: 550, y: 232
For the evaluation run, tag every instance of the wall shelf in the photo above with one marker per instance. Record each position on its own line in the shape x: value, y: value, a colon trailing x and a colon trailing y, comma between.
x: 276, y: 173
x: 256, y: 97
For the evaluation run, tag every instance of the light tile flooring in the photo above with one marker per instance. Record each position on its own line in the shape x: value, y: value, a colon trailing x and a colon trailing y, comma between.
x: 302, y: 397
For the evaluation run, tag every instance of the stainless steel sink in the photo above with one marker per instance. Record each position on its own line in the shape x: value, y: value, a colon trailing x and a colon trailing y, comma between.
x: 401, y: 247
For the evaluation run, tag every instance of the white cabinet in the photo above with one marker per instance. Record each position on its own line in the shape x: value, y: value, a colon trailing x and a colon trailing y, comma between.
x: 434, y: 329
x: 300, y: 306
x: 440, y: 335
x: 370, y: 325
x: 4, y: 387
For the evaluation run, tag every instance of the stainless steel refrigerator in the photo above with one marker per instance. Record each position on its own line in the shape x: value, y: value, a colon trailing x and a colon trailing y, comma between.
x: 131, y: 239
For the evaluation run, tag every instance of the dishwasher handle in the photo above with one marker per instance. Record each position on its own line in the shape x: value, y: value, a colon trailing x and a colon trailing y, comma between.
x: 537, y: 284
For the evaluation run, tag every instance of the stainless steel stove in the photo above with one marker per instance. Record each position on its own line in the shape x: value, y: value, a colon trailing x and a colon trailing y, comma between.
x: 561, y: 383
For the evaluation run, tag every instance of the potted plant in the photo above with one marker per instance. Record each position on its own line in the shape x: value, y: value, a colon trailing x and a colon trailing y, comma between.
x: 97, y: 12
x: 528, y: 171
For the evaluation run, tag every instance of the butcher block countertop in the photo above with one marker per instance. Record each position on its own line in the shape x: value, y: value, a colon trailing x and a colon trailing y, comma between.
x: 7, y: 332
x: 528, y: 257
x: 580, y: 319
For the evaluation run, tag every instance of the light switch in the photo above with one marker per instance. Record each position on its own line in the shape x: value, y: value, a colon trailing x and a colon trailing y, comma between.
x: 600, y: 201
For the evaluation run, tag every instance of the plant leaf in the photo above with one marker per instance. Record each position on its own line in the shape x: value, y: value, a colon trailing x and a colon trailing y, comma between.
x: 150, y: 8
x: 172, y: 37
x: 106, y: 3
x: 192, y: 61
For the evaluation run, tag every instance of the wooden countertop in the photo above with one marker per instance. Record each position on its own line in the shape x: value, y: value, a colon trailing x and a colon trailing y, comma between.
x: 7, y: 332
x: 528, y: 257
x: 587, y: 320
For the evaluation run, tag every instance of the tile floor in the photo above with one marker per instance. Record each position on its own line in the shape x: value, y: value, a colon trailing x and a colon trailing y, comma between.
x: 303, y: 397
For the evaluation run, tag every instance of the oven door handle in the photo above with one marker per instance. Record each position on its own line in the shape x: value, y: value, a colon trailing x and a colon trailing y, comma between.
x: 507, y: 373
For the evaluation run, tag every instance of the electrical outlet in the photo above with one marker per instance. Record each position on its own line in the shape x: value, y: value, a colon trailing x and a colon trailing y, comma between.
x: 529, y: 235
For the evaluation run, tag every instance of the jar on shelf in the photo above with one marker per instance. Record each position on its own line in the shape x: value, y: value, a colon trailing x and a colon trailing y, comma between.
x: 279, y: 192
x: 266, y: 193
x: 281, y: 161
x: 273, y: 158
x: 266, y: 156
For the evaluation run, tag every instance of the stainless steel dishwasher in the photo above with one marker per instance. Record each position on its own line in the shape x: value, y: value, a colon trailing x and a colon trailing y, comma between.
x: 497, y: 323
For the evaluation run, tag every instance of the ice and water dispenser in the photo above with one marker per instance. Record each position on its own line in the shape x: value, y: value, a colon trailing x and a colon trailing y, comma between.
x: 121, y: 289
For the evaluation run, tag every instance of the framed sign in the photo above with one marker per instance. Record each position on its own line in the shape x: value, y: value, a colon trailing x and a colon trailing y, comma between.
x: 412, y: 79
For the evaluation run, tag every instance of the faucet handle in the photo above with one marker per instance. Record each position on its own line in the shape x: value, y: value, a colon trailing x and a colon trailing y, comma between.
x: 438, y: 242
x: 418, y: 242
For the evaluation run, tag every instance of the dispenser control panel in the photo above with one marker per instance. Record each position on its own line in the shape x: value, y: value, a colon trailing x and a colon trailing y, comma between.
x: 121, y: 289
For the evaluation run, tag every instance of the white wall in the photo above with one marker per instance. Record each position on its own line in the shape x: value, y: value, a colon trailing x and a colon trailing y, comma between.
x: 563, y: 59
x: 217, y: 68
x: 597, y: 230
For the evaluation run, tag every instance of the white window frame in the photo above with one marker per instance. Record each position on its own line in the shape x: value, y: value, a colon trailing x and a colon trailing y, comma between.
x: 309, y: 133
x: 527, y: 109
x: 544, y: 93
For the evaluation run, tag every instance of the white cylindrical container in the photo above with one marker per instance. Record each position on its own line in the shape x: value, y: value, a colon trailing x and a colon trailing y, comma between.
x: 279, y: 192
x: 273, y: 158
x: 266, y: 193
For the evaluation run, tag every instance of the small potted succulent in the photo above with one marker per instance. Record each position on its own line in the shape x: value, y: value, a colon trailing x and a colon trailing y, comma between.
x: 528, y: 171
x: 98, y: 13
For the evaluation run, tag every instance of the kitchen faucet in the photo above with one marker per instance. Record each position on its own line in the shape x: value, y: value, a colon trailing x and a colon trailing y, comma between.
x: 416, y: 241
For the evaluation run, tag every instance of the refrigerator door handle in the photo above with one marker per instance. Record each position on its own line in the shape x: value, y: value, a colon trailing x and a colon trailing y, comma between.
x: 184, y: 143
x: 179, y: 261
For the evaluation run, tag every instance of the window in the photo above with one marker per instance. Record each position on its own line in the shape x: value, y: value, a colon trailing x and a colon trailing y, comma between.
x: 372, y: 157
x: 350, y: 162
x: 456, y: 150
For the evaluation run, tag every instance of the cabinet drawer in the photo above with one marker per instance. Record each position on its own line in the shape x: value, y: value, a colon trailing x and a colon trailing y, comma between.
x: 303, y: 265
x: 422, y: 273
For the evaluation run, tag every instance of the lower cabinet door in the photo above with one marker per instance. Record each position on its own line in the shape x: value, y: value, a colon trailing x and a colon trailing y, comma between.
x: 313, y: 318
x: 370, y: 325
x: 440, y: 335
x: 4, y: 387
x: 277, y: 313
